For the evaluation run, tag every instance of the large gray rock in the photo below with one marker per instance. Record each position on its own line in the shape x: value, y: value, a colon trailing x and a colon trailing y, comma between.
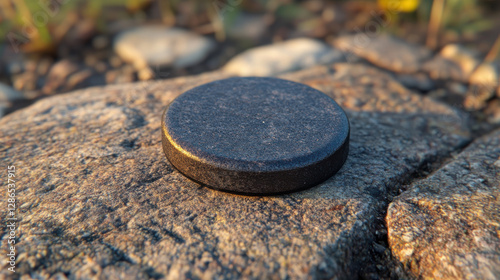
x: 98, y: 198
x: 384, y: 51
x: 447, y: 226
x: 278, y: 58
x: 159, y: 46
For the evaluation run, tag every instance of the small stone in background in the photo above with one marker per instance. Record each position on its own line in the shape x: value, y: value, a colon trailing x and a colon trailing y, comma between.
x: 162, y: 46
x: 31, y: 94
x: 78, y: 79
x: 111, y: 76
x: 145, y: 74
x: 448, y: 97
x: 385, y: 51
x: 333, y: 13
x: 100, y: 67
x: 31, y: 65
x: 126, y: 74
x: 486, y: 75
x: 440, y: 68
x: 8, y: 94
x: 438, y: 94
x: 467, y: 59
x: 492, y: 111
x: 419, y: 81
x: 25, y: 81
x: 9, y: 97
x: 115, y: 61
x: 100, y: 42
x: 12, y: 61
x: 477, y: 97
x: 282, y: 57
x: 484, y: 84
x: 91, y: 60
x: 43, y: 66
x: 454, y: 62
x: 129, y: 69
x: 314, y: 6
x: 457, y: 88
x: 15, y: 67
x: 58, y: 74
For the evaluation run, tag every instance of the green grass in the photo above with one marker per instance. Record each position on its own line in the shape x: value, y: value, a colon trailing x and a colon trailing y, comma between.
x: 36, y: 23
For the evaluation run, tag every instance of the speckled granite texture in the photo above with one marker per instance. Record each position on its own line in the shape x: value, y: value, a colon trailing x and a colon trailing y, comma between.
x: 98, y: 198
x: 447, y: 226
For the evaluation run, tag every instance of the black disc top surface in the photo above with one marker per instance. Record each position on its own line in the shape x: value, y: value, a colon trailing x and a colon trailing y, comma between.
x: 255, y: 135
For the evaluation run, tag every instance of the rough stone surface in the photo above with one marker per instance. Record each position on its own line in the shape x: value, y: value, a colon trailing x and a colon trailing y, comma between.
x: 158, y: 46
x: 385, y: 51
x: 447, y: 226
x: 287, y: 56
x: 97, y: 198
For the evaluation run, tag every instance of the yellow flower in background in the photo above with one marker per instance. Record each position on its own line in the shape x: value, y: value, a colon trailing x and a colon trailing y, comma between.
x: 404, y: 6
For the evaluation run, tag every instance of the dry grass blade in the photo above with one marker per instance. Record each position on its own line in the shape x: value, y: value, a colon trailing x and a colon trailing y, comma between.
x: 435, y: 23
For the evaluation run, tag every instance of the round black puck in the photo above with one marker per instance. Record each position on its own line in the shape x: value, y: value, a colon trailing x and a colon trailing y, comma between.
x: 255, y: 136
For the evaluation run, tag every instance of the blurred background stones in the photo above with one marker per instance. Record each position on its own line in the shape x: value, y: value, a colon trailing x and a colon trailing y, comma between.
x: 162, y: 47
x: 52, y: 47
x: 282, y: 57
